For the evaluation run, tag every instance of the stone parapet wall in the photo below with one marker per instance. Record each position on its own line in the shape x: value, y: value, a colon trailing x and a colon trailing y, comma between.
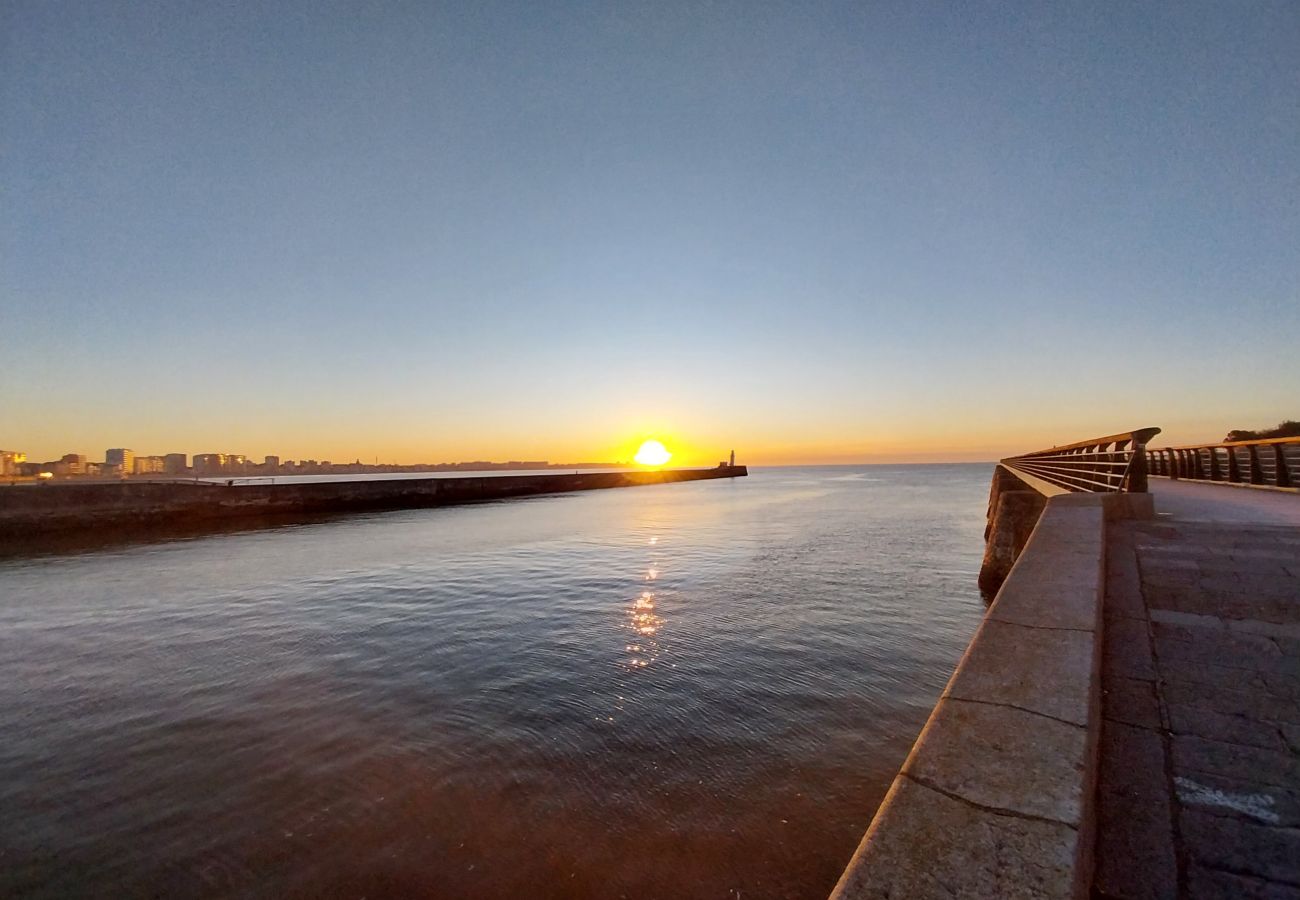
x: 996, y: 798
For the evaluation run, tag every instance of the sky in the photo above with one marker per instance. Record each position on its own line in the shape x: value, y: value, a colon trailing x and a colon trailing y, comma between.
x: 811, y: 232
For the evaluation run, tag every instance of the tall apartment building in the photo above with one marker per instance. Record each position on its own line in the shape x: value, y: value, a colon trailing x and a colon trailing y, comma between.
x: 121, y: 459
x: 74, y: 463
x: 10, y: 460
x: 147, y: 465
x: 272, y: 462
x: 175, y: 463
x: 209, y: 463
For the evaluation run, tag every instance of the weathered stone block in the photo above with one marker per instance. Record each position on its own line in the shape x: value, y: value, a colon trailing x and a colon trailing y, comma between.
x: 1048, y: 671
x: 1006, y: 759
x: 925, y: 844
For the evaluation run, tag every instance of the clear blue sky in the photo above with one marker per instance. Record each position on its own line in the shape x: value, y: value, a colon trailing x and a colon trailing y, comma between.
x: 814, y: 231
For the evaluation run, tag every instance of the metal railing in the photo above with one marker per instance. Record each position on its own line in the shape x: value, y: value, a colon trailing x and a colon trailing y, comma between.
x: 1272, y: 462
x: 1117, y: 462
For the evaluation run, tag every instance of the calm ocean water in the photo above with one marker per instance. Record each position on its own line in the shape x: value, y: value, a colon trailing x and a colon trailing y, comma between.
x: 677, y: 691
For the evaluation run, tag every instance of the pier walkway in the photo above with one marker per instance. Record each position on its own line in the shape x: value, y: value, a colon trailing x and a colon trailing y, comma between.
x: 1199, y: 778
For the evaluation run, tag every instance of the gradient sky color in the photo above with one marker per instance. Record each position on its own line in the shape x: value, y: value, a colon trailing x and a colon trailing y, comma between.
x: 814, y: 232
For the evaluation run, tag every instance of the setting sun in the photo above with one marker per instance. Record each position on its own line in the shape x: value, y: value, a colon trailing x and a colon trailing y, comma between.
x: 652, y: 453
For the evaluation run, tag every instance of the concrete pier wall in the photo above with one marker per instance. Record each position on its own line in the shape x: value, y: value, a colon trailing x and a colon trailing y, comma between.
x: 1014, y: 508
x: 997, y: 797
x: 28, y: 511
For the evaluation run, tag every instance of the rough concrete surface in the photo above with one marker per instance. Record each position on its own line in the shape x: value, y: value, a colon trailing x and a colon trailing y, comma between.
x: 996, y: 798
x: 1200, y: 796
x: 924, y: 843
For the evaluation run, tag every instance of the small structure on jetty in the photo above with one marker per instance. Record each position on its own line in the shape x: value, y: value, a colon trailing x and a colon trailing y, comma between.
x: 1124, y: 722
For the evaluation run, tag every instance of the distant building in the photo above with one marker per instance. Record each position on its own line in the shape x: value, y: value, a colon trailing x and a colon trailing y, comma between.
x: 209, y: 463
x: 74, y: 464
x: 10, y: 460
x: 175, y: 463
x: 147, y: 465
x: 272, y: 462
x: 122, y: 459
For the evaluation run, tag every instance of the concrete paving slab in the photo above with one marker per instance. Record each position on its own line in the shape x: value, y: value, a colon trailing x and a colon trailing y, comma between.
x: 1257, y: 706
x: 1132, y: 702
x: 1194, y: 755
x: 1222, y: 603
x: 1189, y: 502
x: 1221, y: 796
x: 1237, y: 845
x: 1135, y: 856
x: 1126, y: 651
x: 1232, y: 728
x: 1208, y: 884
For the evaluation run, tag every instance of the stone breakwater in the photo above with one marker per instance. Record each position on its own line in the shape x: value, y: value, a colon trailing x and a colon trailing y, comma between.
x: 29, y: 512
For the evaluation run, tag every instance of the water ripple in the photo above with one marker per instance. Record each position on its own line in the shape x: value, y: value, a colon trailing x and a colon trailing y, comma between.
x: 688, y: 690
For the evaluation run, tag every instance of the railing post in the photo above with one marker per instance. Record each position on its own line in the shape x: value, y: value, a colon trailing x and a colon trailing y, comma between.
x: 1281, y: 474
x: 1137, y: 470
x: 1216, y: 471
x: 1199, y: 464
x: 1256, y: 472
x: 1234, y: 470
x: 1175, y: 470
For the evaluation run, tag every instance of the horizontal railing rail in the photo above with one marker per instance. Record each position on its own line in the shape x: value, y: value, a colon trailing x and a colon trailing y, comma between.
x: 1110, y: 464
x: 1270, y: 462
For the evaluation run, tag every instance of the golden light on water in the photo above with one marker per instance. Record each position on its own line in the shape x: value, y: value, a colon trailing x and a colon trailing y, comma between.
x: 652, y: 453
x: 644, y: 623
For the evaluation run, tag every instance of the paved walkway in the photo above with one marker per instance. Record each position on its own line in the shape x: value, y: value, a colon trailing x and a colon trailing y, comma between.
x: 1199, y: 789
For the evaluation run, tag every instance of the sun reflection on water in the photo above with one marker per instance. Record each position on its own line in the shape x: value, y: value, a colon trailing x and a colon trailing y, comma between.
x: 644, y: 620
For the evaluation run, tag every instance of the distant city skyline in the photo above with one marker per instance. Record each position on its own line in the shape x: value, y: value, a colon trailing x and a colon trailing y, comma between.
x: 124, y: 461
x: 816, y: 233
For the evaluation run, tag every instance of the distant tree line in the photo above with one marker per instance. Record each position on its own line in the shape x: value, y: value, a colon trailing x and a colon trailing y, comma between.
x: 1289, y: 428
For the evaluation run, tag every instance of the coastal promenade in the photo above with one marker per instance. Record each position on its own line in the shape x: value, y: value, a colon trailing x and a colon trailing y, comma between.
x: 1199, y: 781
x: 1126, y: 721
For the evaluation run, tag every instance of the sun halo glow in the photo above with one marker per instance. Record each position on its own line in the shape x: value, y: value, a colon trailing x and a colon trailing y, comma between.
x: 652, y: 453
